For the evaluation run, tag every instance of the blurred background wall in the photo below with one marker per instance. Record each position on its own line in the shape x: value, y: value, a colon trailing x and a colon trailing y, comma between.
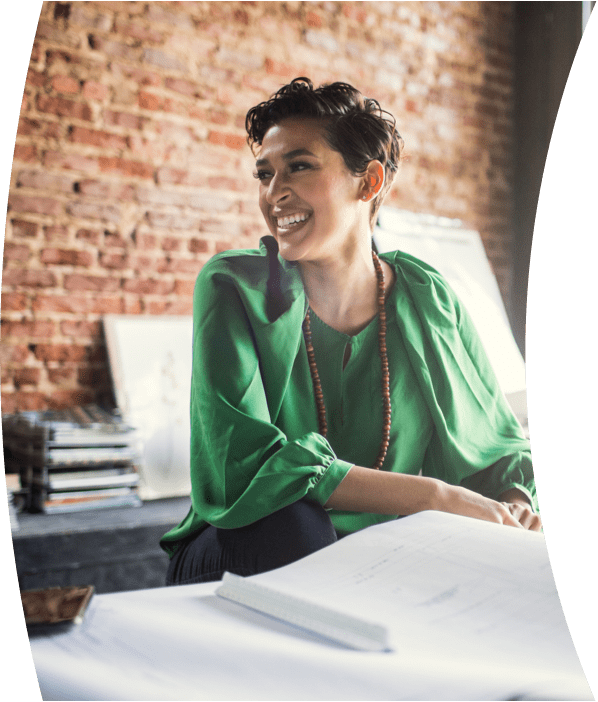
x: 131, y: 168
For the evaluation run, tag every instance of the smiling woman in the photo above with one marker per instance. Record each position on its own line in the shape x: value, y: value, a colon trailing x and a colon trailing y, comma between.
x: 333, y: 389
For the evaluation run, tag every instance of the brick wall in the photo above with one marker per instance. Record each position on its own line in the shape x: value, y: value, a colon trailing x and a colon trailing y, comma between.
x: 131, y: 168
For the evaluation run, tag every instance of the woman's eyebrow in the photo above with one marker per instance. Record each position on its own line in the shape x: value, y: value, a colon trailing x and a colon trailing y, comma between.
x: 286, y: 157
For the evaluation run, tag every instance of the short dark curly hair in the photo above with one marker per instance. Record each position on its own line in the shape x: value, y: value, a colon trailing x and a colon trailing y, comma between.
x: 355, y: 126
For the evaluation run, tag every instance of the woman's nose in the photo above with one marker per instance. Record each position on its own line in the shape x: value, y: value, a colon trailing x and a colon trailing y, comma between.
x: 277, y: 191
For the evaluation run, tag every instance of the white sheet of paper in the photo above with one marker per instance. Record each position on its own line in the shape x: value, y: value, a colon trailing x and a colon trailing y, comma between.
x: 183, y: 642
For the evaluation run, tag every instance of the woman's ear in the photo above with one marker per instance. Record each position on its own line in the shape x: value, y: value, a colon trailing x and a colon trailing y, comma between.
x: 372, y: 180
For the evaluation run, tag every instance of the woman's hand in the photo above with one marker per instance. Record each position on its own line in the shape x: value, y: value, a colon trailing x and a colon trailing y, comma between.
x: 382, y: 492
x: 512, y: 510
x: 520, y: 508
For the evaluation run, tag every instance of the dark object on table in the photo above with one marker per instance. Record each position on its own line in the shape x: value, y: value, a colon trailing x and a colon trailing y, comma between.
x: 55, y: 608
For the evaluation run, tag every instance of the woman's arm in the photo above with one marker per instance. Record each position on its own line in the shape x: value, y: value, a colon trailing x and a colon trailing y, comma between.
x: 381, y: 492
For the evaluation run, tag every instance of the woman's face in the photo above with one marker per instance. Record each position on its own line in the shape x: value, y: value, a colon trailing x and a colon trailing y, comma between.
x: 311, y: 202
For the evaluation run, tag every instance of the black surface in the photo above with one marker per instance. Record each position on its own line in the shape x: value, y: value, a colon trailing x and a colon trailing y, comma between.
x: 113, y: 549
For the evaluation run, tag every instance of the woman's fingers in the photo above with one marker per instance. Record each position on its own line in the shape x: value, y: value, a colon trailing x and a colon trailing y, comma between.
x: 524, y: 515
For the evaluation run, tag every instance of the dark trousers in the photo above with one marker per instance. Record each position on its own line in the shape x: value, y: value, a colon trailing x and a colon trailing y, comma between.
x: 274, y: 541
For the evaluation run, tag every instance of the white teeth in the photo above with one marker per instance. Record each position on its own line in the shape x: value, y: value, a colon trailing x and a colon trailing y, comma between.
x: 291, y: 219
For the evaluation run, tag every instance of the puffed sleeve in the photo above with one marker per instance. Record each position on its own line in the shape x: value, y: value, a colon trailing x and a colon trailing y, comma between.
x: 243, y: 467
x: 477, y: 441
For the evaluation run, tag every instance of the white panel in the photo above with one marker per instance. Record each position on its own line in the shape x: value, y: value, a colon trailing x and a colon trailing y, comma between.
x: 150, y: 362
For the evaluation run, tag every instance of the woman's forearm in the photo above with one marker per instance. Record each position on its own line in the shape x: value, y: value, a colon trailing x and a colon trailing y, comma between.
x: 382, y: 492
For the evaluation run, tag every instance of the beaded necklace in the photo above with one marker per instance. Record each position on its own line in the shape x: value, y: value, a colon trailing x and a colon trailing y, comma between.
x: 315, y: 377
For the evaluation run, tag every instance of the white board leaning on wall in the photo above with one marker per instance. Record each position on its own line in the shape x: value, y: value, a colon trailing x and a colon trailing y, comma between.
x: 459, y: 255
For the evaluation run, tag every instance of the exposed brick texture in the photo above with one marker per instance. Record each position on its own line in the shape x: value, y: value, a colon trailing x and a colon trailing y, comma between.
x: 131, y: 169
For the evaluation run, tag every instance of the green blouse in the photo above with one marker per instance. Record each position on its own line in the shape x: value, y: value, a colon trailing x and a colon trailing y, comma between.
x: 255, y: 446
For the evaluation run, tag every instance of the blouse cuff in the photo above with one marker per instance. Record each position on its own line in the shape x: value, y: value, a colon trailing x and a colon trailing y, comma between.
x: 327, y: 482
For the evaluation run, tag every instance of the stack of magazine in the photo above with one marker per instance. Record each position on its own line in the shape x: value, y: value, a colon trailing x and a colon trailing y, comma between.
x: 72, y: 459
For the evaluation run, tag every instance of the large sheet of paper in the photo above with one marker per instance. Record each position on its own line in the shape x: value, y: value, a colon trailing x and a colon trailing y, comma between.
x: 468, y: 622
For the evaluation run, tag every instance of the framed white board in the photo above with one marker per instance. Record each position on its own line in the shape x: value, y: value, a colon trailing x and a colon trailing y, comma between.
x: 459, y: 255
x: 150, y: 363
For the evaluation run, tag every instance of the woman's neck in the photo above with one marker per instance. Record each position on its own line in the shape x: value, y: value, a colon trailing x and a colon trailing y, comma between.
x: 343, y: 290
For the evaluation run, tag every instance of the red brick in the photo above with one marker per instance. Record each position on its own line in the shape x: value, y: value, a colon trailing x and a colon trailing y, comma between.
x: 34, y: 204
x: 28, y: 329
x: 65, y: 84
x: 23, y: 401
x: 16, y: 252
x: 21, y: 227
x: 232, y: 141
x: 70, y: 304
x: 148, y: 286
x: 123, y: 119
x: 64, y: 375
x: 90, y: 235
x: 41, y: 180
x: 91, y: 283
x: 57, y: 56
x: 64, y: 107
x: 132, y: 306
x: 227, y: 183
x: 26, y: 376
x: 210, y: 203
x: 178, y: 307
x: 66, y: 257
x: 171, y: 175
x: 170, y: 243
x: 95, y: 137
x: 94, y: 210
x: 107, y: 190
x: 29, y: 278
x: 125, y: 167
x: 56, y: 232
x: 79, y: 328
x: 139, y: 76
x: 93, y: 90
x: 71, y: 162
x: 14, y: 302
x: 179, y: 265
x: 107, y: 305
x: 149, y: 101
x: 198, y: 245
x: 114, y: 261
x: 15, y: 353
x: 172, y: 220
x: 147, y: 242
x: 35, y: 78
x: 314, y: 20
x: 114, y: 48
x: 60, y: 353
x: 185, y: 87
x: 184, y: 287
x: 27, y: 153
x: 139, y: 31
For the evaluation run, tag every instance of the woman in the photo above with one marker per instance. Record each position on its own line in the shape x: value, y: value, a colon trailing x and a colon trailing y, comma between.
x: 333, y: 389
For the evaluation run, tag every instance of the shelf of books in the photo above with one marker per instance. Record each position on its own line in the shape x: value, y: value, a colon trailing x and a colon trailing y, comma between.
x: 72, y: 459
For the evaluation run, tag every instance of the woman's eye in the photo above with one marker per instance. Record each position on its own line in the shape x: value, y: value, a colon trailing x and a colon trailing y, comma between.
x: 299, y: 166
x: 261, y: 175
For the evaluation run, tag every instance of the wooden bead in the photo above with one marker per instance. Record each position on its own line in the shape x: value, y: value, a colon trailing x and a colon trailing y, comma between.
x: 385, y: 385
